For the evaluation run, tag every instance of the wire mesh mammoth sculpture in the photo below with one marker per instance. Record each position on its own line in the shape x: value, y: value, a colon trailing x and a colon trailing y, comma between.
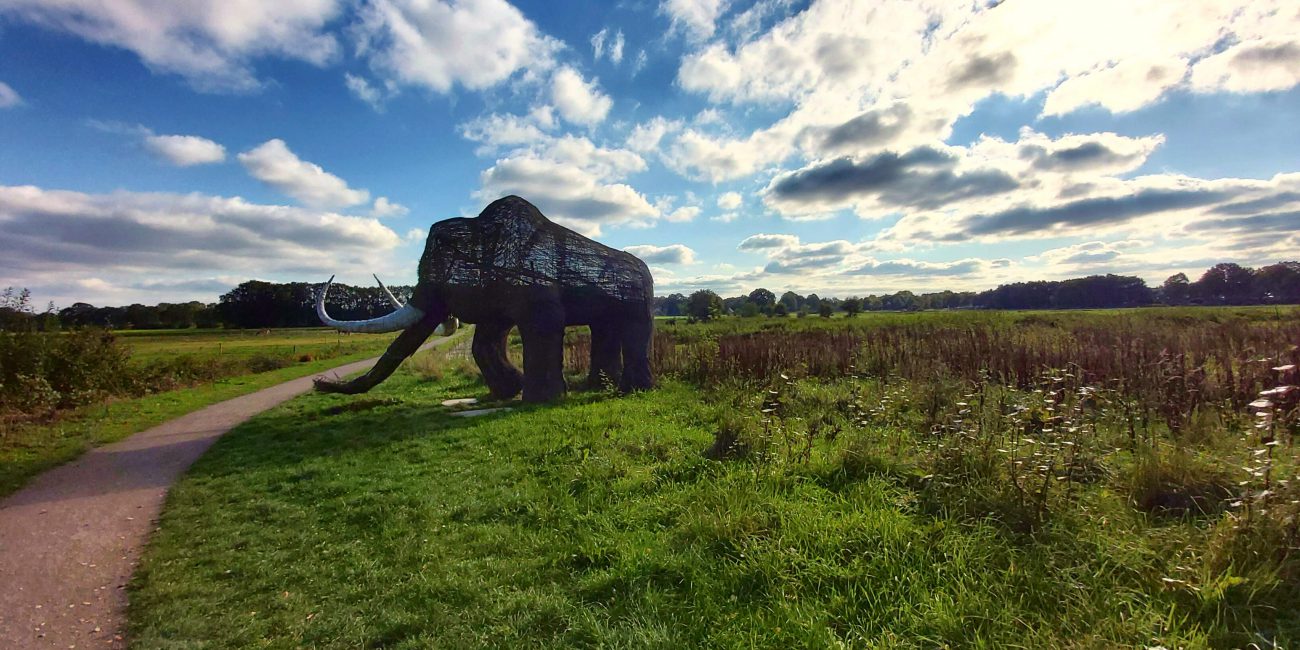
x: 511, y: 266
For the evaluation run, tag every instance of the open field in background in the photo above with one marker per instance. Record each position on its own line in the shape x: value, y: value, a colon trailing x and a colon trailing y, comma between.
x: 95, y: 390
x: 149, y: 346
x: 1051, y: 479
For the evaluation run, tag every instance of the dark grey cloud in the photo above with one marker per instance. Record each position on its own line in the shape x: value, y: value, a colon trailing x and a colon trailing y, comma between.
x: 870, y: 129
x: 671, y: 254
x: 43, y: 231
x: 982, y: 70
x: 589, y: 208
x: 1091, y: 256
x: 791, y: 264
x: 1087, y: 212
x: 914, y: 268
x: 1287, y: 222
x: 206, y: 286
x: 839, y: 55
x: 551, y: 186
x: 923, y: 178
x: 765, y: 241
x: 1255, y: 206
x: 1268, y: 54
x: 827, y: 248
x: 1086, y: 155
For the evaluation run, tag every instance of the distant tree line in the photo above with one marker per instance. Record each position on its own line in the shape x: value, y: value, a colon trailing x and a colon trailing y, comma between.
x: 1222, y: 284
x: 257, y: 305
x: 251, y: 305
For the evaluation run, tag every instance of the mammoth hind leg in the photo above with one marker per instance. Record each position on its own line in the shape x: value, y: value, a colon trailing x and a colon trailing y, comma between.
x: 636, y: 337
x: 502, y: 378
x: 606, y: 356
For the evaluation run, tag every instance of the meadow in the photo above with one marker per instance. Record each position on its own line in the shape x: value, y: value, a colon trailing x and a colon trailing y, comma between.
x: 63, y: 393
x: 149, y: 346
x: 1047, y: 479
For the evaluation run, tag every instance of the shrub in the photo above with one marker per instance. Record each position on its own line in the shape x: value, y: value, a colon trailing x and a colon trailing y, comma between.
x: 43, y: 371
x: 267, y: 363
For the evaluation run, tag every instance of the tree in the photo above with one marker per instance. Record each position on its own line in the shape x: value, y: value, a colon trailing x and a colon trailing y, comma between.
x: 780, y: 310
x: 1101, y: 291
x: 825, y: 310
x: 790, y: 300
x: 852, y: 306
x: 812, y: 302
x: 670, y: 305
x: 1177, y: 289
x: 1279, y: 283
x: 901, y: 301
x: 733, y: 304
x: 1225, y: 284
x: 16, y: 312
x: 763, y: 298
x: 704, y: 305
x: 749, y: 310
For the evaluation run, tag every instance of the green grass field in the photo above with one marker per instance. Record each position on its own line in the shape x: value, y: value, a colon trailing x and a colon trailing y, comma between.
x: 149, y: 346
x: 840, y: 511
x: 30, y: 447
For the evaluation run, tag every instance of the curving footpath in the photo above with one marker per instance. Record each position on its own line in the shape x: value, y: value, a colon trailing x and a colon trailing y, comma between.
x: 71, y: 538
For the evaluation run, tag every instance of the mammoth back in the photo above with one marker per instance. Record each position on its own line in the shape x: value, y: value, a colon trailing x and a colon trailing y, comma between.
x: 517, y: 246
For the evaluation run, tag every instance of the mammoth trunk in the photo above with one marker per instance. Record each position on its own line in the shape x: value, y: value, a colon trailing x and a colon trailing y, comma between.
x: 402, y: 347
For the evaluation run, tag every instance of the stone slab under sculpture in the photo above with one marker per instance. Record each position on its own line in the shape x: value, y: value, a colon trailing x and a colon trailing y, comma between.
x: 512, y: 267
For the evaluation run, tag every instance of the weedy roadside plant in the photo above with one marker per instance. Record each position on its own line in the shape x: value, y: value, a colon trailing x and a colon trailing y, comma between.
x: 1262, y: 536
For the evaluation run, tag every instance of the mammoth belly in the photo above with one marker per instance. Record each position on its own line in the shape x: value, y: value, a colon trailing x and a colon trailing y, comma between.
x: 515, y: 304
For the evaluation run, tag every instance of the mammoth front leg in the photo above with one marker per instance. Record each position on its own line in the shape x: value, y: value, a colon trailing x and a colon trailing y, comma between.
x: 489, y: 347
x: 543, y: 335
x: 606, y: 356
x: 637, y: 337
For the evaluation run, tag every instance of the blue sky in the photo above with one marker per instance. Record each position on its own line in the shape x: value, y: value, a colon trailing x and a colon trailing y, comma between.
x: 161, y: 151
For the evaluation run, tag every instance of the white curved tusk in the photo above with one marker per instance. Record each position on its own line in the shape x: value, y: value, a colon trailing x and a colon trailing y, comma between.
x: 391, y: 298
x: 397, y: 320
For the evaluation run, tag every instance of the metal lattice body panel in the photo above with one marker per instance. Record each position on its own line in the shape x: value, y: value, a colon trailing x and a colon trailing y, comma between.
x: 513, y: 250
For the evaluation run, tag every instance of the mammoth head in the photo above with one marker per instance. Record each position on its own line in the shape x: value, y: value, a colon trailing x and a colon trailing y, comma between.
x: 403, y: 317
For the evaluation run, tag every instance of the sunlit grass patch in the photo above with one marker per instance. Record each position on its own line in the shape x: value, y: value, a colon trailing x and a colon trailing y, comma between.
x: 600, y: 521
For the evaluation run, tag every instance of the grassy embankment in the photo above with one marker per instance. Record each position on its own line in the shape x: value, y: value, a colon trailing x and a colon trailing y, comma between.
x: 218, y: 365
x: 906, y: 508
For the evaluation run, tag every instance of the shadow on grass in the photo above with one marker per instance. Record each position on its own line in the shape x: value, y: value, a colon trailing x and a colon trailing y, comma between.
x: 329, y: 425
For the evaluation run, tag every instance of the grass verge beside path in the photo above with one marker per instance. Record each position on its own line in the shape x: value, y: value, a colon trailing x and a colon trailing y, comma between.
x: 28, y: 450
x: 380, y: 521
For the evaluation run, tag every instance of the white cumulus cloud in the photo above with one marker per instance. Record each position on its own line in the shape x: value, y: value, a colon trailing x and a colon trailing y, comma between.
x: 578, y: 100
x: 212, y: 43
x: 364, y: 91
x: 8, y: 97
x: 697, y: 18
x: 274, y: 164
x: 437, y: 44
x: 186, y: 150
x: 647, y: 135
x: 385, y: 208
x: 683, y: 214
x: 671, y: 254
x: 53, y: 239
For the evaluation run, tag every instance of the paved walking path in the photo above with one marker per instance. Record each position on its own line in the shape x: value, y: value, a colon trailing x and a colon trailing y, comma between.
x: 70, y: 539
